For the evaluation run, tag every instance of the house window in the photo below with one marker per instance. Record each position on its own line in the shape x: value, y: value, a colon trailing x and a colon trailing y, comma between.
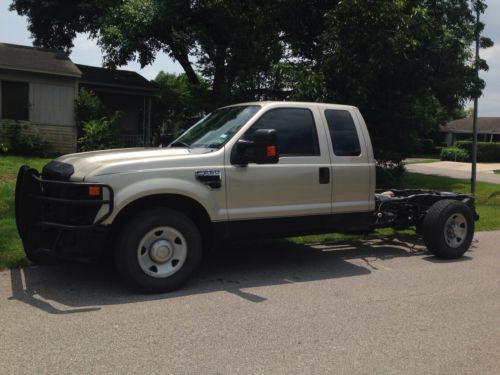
x: 15, y: 100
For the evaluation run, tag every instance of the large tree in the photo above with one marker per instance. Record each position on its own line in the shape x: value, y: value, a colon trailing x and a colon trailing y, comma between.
x: 227, y: 41
x: 407, y: 64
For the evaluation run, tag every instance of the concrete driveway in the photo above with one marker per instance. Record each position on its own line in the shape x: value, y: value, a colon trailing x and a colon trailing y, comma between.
x: 377, y: 306
x: 484, y: 171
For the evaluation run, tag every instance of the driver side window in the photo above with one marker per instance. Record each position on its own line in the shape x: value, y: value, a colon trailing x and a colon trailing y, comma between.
x: 296, y: 131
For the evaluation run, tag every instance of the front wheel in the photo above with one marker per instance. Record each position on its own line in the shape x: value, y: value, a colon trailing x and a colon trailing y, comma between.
x: 448, y: 229
x: 158, y: 250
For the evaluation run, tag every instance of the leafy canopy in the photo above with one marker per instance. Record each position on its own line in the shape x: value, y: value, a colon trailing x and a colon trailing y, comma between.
x: 407, y: 64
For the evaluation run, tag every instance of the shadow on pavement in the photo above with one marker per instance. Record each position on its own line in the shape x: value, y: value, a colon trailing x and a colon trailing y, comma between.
x: 68, y: 288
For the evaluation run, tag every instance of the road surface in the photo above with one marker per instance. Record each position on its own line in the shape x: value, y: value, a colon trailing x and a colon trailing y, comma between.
x: 368, y: 307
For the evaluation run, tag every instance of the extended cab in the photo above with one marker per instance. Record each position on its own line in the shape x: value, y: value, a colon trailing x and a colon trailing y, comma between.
x: 244, y: 171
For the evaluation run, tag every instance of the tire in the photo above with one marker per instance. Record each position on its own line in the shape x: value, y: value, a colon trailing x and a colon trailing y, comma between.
x: 158, y: 250
x: 448, y: 229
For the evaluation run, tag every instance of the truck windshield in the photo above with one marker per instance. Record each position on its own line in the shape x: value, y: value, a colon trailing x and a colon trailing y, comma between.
x: 215, y: 129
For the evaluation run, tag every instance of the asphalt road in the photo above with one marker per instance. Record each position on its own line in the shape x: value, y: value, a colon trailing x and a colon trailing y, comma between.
x: 458, y: 170
x: 359, y: 307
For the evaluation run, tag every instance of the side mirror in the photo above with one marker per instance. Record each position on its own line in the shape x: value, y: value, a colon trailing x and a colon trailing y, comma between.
x: 262, y: 150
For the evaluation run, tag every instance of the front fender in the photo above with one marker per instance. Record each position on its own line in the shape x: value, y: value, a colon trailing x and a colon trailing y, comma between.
x: 203, y: 194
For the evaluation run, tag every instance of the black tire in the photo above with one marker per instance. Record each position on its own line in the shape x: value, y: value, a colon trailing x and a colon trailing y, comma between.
x: 129, y: 238
x: 434, y: 225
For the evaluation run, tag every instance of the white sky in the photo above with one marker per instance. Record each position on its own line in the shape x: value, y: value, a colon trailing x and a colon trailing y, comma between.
x: 13, y: 29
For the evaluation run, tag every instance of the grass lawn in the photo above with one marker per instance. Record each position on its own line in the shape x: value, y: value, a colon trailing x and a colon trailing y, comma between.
x: 12, y: 255
x: 497, y: 171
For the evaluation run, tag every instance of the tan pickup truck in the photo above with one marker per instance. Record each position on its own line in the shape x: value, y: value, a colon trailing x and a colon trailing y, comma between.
x: 244, y: 171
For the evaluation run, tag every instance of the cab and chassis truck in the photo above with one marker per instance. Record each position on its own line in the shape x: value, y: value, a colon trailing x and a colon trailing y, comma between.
x: 251, y: 170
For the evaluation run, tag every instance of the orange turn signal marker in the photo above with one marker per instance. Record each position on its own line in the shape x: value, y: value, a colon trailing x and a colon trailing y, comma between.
x: 271, y: 151
x: 94, y: 191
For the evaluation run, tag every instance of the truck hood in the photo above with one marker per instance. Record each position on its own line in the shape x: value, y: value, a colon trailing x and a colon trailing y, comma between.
x: 118, y: 160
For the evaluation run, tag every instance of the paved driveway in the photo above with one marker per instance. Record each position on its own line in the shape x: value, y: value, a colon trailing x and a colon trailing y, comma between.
x: 354, y: 307
x: 484, y: 171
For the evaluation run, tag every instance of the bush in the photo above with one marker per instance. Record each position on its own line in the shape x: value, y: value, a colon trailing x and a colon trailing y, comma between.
x: 98, y: 134
x: 426, y: 146
x: 88, y: 107
x: 390, y: 174
x: 487, y: 152
x: 454, y: 154
x: 14, y: 141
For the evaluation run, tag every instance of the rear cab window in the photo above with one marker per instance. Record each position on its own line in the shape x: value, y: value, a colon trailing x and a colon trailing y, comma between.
x: 343, y: 132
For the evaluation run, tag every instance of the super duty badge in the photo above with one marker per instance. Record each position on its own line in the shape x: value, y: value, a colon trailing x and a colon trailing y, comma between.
x: 210, y: 177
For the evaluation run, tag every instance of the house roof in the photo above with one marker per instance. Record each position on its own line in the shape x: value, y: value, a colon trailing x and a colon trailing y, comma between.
x: 487, y: 125
x: 102, y: 78
x: 38, y: 60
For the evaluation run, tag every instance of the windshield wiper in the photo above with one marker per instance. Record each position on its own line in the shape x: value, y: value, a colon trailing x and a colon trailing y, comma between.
x: 179, y: 143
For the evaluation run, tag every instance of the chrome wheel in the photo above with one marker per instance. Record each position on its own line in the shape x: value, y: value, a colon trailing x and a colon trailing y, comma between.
x: 162, y: 252
x: 455, y: 230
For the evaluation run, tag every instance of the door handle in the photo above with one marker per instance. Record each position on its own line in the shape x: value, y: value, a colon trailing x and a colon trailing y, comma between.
x: 324, y: 175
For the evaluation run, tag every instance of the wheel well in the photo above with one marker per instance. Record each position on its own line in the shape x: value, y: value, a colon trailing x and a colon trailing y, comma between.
x: 188, y: 206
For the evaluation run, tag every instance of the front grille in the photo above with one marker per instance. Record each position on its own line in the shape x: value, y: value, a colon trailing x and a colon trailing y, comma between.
x: 68, y: 204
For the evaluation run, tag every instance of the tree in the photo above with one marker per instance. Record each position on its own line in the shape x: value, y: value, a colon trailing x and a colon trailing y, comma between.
x: 179, y: 103
x: 230, y: 40
x: 406, y: 64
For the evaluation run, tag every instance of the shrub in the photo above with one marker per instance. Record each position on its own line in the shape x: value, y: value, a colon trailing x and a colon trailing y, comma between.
x: 426, y: 146
x: 99, y: 134
x: 390, y: 174
x: 15, y: 141
x: 88, y: 107
x: 454, y: 154
x: 487, y: 152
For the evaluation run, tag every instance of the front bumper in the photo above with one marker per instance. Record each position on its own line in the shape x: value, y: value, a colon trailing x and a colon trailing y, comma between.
x: 56, y: 218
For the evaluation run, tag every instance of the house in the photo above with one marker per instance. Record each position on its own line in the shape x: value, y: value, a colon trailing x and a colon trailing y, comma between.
x: 38, y: 88
x: 488, y: 130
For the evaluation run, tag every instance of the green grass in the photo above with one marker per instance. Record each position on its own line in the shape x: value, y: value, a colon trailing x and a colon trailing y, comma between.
x: 11, y: 252
x: 497, y: 171
x: 12, y: 255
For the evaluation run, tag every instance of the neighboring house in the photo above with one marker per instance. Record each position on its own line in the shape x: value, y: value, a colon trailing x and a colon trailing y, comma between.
x: 38, y: 88
x: 488, y: 130
x: 126, y: 92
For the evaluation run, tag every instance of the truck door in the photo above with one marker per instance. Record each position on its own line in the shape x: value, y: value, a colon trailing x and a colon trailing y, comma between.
x: 298, y: 186
x: 352, y: 165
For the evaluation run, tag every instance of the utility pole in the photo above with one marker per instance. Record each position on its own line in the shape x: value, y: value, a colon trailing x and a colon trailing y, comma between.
x: 474, y: 119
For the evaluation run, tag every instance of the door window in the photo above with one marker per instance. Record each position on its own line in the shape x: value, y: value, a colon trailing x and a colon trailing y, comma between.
x: 343, y: 133
x: 296, y: 131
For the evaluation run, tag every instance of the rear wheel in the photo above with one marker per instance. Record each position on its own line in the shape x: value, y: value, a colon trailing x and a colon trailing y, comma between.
x: 448, y: 229
x: 158, y: 250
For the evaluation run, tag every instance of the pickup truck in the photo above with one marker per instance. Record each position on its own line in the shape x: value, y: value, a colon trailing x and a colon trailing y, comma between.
x: 249, y: 170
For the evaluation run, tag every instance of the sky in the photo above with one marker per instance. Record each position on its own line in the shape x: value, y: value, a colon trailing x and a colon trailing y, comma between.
x: 13, y: 29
